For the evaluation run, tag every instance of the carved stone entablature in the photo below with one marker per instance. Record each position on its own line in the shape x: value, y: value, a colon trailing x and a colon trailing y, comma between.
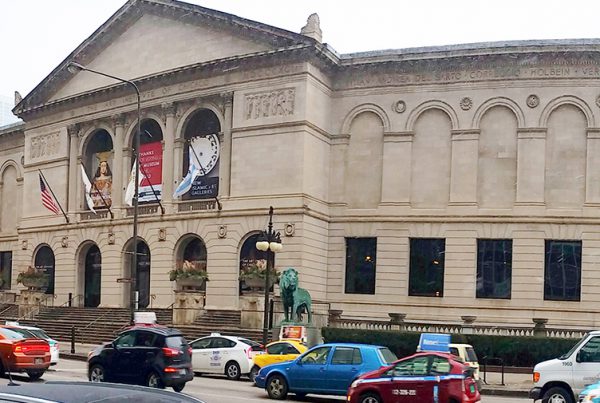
x: 271, y: 103
x: 44, y: 145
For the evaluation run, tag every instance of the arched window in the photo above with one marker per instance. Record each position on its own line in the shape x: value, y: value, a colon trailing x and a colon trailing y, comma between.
x: 44, y: 260
x: 151, y: 157
x: 202, y: 149
x: 249, y: 257
x: 98, y: 160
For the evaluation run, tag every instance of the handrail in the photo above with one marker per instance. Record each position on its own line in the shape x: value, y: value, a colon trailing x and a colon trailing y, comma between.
x: 485, y: 361
x: 72, y: 300
x: 6, y: 309
x: 32, y: 313
x: 96, y: 320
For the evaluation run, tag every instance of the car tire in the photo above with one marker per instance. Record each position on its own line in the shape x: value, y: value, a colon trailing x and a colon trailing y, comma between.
x: 153, y: 381
x: 370, y: 397
x: 178, y: 387
x: 277, y: 387
x: 35, y: 374
x: 232, y: 371
x: 557, y: 395
x: 97, y: 373
x: 253, y: 373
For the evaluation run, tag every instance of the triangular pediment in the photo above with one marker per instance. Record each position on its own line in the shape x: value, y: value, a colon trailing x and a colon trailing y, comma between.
x: 148, y: 37
x: 155, y: 44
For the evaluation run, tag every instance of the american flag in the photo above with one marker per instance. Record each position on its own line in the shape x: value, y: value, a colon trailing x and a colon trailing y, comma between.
x: 47, y: 199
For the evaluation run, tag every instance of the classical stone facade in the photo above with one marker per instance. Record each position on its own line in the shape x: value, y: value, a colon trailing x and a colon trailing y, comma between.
x: 494, y: 141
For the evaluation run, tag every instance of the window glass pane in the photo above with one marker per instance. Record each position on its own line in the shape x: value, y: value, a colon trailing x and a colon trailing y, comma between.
x: 342, y: 355
x: 316, y: 356
x: 562, y: 274
x: 388, y: 356
x: 356, y: 357
x: 426, y: 277
x: 278, y: 348
x: 127, y: 340
x: 201, y: 344
x: 360, y: 265
x: 591, y: 351
x: 439, y: 366
x: 414, y: 366
x: 494, y: 268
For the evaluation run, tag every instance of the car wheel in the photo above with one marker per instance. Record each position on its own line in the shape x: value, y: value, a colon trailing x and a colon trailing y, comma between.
x: 232, y: 370
x: 153, y: 381
x: 97, y: 373
x: 179, y: 387
x: 253, y: 373
x: 35, y: 374
x: 557, y: 395
x: 277, y: 387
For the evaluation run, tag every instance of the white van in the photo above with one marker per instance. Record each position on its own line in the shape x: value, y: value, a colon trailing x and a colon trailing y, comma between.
x: 467, y: 353
x: 563, y: 378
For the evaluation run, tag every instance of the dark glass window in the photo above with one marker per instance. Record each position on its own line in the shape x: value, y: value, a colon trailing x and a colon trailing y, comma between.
x: 494, y: 268
x: 562, y: 274
x: 360, y: 265
x: 5, y: 270
x: 426, y: 277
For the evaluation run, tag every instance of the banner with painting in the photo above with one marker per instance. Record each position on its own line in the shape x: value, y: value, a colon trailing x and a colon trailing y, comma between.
x: 101, y: 191
x: 204, y: 152
x: 151, y: 157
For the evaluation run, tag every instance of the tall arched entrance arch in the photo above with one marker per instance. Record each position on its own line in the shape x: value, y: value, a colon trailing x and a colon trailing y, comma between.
x: 141, y: 273
x: 44, y: 260
x: 92, y: 277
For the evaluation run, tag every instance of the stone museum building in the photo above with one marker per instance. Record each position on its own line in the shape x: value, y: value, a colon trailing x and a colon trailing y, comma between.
x: 436, y: 182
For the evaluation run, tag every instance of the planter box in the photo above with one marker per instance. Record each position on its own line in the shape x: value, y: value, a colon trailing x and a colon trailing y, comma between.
x: 35, y: 283
x: 258, y: 283
x: 190, y: 284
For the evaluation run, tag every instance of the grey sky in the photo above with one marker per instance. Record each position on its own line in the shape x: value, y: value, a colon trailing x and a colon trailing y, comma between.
x: 37, y: 34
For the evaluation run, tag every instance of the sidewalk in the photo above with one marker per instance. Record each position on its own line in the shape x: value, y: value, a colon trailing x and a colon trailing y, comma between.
x: 515, y: 384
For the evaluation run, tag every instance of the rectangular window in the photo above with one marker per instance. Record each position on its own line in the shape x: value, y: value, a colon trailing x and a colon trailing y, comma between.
x: 5, y: 270
x: 562, y: 271
x: 360, y: 265
x: 426, y: 276
x: 494, y: 268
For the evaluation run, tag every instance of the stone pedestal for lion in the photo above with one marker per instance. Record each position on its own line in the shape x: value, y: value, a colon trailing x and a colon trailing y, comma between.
x: 187, y: 307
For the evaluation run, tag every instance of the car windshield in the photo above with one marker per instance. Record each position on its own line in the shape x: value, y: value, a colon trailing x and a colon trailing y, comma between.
x: 572, y: 350
x: 175, y: 341
x: 471, y: 356
x: 387, y: 355
x: 10, y: 334
x: 38, y: 333
x: 23, y: 332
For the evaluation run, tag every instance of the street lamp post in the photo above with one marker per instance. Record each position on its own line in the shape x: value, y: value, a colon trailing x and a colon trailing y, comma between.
x: 269, y: 242
x: 75, y: 67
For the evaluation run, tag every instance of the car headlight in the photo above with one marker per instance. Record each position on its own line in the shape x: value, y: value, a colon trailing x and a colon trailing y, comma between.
x: 356, y: 383
x: 592, y: 394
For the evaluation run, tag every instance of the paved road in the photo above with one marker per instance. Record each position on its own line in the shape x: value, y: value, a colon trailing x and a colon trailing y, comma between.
x: 212, y: 389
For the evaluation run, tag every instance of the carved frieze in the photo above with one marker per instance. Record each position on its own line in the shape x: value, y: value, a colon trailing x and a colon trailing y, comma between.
x: 45, y: 145
x: 270, y: 103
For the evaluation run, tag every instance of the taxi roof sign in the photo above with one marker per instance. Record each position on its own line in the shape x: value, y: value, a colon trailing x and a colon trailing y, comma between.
x: 434, y: 342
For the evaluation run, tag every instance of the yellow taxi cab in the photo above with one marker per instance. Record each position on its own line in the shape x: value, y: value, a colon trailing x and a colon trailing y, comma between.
x: 276, y: 352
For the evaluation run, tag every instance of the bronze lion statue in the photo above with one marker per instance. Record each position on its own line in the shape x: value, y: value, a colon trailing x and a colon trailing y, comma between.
x: 295, y: 300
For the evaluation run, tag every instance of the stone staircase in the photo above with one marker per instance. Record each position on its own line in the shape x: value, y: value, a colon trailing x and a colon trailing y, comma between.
x: 99, y: 325
x: 219, y: 321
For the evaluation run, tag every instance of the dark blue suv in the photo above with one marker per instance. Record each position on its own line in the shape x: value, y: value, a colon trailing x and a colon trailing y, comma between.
x: 151, y: 356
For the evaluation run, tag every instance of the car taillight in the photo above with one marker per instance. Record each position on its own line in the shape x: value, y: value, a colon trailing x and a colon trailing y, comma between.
x: 25, y: 348
x: 536, y: 377
x: 190, y: 351
x: 248, y: 352
x: 171, y: 369
x: 170, y: 352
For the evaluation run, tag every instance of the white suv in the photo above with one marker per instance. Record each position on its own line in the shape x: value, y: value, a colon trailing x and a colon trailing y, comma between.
x: 229, y: 355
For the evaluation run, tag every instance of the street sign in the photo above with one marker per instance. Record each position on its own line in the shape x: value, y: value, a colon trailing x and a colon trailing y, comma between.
x: 125, y: 280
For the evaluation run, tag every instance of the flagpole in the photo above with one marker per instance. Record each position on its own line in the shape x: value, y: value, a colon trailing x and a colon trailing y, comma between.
x: 101, y: 197
x: 53, y: 195
x: 162, y: 209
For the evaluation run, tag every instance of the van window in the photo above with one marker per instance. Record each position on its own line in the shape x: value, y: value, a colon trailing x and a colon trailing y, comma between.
x: 471, y: 356
x: 590, y: 352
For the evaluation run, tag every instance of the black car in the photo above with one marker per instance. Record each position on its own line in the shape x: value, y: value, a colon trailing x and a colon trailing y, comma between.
x: 150, y: 356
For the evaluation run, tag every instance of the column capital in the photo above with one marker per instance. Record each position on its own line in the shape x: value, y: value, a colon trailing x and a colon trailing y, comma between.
x: 119, y: 120
x: 73, y: 130
x: 169, y: 108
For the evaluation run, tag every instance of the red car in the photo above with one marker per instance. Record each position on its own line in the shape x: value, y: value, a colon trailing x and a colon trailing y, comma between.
x: 422, y: 377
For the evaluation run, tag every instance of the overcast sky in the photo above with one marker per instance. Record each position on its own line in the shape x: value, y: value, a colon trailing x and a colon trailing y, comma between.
x: 36, y: 35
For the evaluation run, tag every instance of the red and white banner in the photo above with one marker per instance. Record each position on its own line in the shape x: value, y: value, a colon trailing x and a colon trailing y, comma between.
x: 151, y: 163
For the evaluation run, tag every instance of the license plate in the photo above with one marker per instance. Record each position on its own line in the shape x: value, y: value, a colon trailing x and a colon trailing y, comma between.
x: 182, y: 372
x: 472, y: 389
x: 39, y: 361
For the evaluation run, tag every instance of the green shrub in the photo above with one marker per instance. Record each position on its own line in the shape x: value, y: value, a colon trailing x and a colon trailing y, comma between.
x: 513, y: 350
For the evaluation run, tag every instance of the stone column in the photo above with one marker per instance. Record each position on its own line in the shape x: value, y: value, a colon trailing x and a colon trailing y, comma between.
x: 397, y: 160
x: 177, y: 162
x: 463, y: 180
x: 118, y: 184
x: 74, y: 172
x: 168, y: 157
x: 531, y: 165
x: 225, y: 163
x: 592, y: 186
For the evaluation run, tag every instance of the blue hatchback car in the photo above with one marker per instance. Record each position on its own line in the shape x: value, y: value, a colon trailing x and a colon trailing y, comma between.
x: 326, y: 369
